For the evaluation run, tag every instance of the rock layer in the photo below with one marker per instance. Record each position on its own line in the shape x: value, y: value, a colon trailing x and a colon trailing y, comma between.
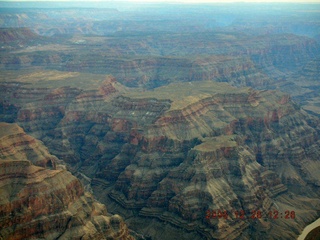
x: 151, y: 61
x: 183, y: 149
x: 239, y: 149
x: 40, y: 199
x: 173, y: 154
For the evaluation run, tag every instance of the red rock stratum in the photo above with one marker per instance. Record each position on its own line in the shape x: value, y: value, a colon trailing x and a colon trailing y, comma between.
x: 40, y: 199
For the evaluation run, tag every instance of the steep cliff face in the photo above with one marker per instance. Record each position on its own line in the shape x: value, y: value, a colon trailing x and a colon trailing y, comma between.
x: 224, y: 149
x: 40, y: 199
x: 181, y: 150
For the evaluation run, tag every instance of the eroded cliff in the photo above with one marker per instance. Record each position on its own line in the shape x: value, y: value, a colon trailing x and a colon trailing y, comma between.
x: 178, y: 156
x: 224, y: 149
x: 40, y: 199
x: 179, y: 151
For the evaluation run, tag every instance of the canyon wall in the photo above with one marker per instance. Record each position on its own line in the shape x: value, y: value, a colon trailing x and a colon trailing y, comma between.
x: 151, y: 60
x: 179, y: 151
x: 41, y: 199
x: 143, y: 111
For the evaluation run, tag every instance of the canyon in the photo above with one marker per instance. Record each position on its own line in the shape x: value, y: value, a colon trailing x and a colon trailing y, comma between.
x: 176, y: 151
x: 146, y: 129
x: 40, y: 198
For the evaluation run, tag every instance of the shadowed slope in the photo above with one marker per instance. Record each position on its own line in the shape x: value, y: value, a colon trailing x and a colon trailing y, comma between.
x: 46, y: 203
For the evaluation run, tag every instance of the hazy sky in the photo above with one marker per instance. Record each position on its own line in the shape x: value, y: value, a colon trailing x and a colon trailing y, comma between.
x: 175, y: 1
x: 214, y: 1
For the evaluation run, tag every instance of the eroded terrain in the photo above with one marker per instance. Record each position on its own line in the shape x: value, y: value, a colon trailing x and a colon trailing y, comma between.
x: 164, y: 120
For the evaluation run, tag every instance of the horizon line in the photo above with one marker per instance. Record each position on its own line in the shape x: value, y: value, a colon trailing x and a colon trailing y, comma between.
x: 171, y: 2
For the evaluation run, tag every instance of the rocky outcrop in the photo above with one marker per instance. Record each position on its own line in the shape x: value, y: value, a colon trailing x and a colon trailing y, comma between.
x: 9, y: 35
x: 179, y: 151
x: 222, y: 149
x: 40, y: 199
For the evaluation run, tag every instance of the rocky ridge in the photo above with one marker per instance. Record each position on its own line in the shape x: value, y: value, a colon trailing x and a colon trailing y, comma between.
x: 8, y: 35
x: 237, y: 147
x: 151, y: 60
x: 39, y: 198
x: 177, y: 151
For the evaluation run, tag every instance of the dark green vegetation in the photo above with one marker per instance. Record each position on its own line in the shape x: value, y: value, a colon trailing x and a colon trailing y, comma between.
x: 166, y: 111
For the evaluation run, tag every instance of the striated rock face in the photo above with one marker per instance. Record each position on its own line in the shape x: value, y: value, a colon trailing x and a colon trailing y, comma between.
x: 224, y: 149
x: 305, y: 87
x: 182, y: 150
x: 153, y: 61
x: 193, y: 158
x: 40, y: 199
x: 16, y: 145
x: 8, y: 35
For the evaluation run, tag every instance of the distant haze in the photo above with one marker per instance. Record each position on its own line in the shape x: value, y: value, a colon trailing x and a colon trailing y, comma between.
x: 224, y: 1
x: 178, y: 1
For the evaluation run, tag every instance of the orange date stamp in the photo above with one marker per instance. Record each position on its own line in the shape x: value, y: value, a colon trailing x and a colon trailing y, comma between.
x: 254, y: 214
